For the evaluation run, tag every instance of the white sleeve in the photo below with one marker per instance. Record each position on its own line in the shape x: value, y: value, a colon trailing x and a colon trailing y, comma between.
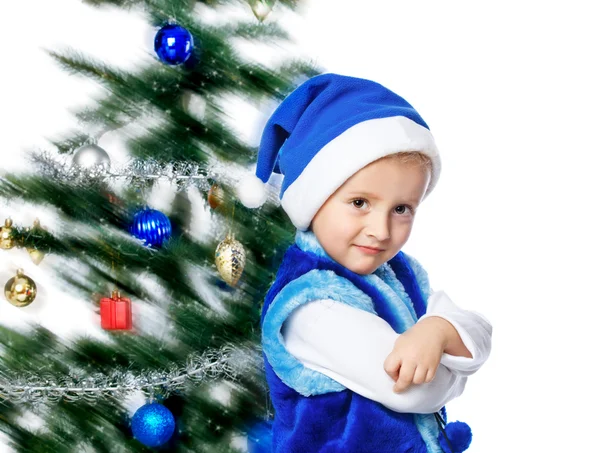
x: 475, y: 332
x: 350, y: 346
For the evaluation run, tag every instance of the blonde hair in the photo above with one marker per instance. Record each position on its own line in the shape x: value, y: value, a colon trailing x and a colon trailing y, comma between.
x: 412, y: 157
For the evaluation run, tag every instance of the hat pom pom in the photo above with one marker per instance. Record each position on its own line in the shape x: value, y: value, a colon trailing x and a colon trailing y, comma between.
x: 252, y: 192
x: 460, y: 436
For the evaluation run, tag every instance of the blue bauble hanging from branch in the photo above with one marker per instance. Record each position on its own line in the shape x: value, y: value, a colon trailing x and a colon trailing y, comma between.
x: 260, y: 436
x: 153, y: 424
x: 173, y: 44
x: 151, y: 226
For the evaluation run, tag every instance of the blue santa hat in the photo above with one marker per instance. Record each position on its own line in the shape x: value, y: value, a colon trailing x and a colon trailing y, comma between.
x: 325, y: 131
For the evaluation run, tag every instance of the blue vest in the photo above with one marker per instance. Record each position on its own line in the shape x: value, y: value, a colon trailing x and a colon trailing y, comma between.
x: 314, y: 413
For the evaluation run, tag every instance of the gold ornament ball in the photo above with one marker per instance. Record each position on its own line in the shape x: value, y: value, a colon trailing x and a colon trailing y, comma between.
x: 230, y: 258
x: 20, y: 290
x: 6, y: 240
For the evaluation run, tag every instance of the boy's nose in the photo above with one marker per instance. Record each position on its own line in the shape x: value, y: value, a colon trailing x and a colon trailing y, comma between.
x: 379, y: 226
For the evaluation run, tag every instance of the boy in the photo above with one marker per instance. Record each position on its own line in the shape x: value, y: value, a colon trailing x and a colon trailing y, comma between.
x: 348, y: 366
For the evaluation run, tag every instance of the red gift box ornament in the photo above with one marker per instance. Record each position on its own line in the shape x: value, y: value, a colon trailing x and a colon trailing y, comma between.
x: 115, y: 312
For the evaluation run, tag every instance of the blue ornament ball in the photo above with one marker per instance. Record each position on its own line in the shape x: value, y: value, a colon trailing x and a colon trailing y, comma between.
x: 151, y: 226
x: 153, y: 424
x: 260, y: 437
x: 173, y: 44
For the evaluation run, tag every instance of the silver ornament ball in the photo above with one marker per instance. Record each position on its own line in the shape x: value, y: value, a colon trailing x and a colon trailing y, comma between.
x: 91, y: 156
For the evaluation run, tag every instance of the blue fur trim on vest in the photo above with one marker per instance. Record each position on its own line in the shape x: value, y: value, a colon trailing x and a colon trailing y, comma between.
x: 420, y: 275
x: 402, y: 264
x: 314, y: 413
x: 313, y: 285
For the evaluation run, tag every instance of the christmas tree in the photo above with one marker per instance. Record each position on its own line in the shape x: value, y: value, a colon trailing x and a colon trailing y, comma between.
x: 196, y: 371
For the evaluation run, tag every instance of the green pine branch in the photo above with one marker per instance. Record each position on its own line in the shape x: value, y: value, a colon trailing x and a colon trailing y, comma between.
x: 94, y: 238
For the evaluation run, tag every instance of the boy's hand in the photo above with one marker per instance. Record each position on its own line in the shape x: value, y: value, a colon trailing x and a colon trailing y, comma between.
x: 417, y: 353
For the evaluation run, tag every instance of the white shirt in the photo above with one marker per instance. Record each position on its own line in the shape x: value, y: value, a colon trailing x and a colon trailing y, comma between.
x: 350, y: 346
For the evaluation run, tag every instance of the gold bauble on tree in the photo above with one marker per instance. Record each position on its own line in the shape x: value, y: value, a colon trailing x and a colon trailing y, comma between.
x: 216, y: 196
x: 20, y: 290
x: 36, y: 255
x: 6, y: 239
x: 261, y: 8
x: 230, y: 258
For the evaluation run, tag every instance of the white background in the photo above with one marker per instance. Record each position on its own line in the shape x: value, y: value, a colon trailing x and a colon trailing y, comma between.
x: 509, y: 90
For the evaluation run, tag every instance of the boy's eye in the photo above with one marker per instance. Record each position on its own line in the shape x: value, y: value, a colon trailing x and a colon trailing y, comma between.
x: 402, y: 209
x: 405, y: 209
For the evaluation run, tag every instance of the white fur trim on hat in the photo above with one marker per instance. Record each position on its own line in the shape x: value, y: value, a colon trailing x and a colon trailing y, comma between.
x: 346, y: 154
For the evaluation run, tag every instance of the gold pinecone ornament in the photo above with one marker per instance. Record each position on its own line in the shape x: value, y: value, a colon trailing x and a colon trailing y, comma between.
x: 36, y: 255
x: 230, y: 258
x: 6, y: 239
x: 261, y: 8
x: 20, y: 290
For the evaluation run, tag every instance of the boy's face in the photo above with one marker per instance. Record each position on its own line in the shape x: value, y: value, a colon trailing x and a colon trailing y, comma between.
x: 374, y: 208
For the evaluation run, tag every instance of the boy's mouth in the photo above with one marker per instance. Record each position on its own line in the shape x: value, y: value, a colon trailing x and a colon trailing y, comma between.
x: 369, y: 250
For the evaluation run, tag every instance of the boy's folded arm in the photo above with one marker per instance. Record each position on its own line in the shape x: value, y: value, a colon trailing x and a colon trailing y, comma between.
x: 475, y: 332
x: 350, y: 346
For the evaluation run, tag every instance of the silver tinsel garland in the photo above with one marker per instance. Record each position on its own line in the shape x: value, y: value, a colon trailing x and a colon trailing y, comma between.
x: 137, y: 172
x: 226, y: 362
